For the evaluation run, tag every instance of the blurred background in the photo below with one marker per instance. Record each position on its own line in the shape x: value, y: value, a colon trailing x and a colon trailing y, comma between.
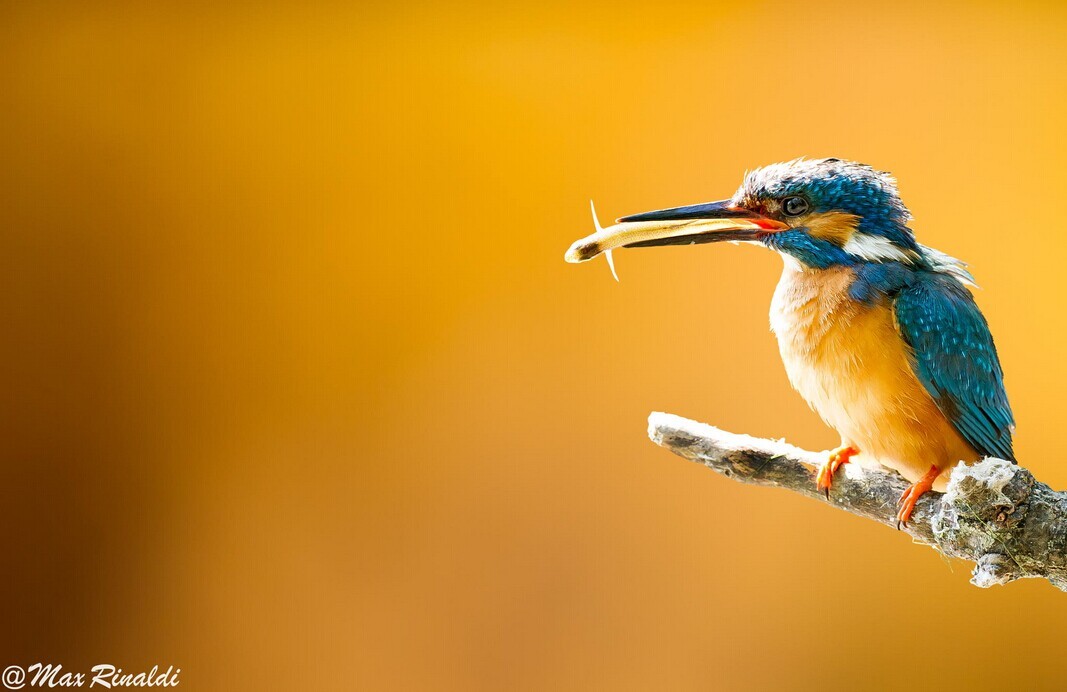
x: 299, y: 392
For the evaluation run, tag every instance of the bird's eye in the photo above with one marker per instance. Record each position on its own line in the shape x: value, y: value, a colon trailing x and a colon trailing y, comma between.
x: 794, y: 206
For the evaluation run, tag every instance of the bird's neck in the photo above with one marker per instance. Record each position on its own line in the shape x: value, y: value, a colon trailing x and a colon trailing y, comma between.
x: 806, y: 301
x: 864, y: 282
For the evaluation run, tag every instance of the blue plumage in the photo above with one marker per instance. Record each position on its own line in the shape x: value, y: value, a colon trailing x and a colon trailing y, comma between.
x: 832, y: 184
x: 956, y: 360
x: 875, y: 280
x: 813, y: 252
x: 955, y: 357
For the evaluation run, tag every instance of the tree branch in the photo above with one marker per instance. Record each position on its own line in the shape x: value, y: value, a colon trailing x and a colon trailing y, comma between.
x: 994, y: 513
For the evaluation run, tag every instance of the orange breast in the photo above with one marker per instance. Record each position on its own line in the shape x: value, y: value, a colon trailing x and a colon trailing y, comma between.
x: 851, y: 365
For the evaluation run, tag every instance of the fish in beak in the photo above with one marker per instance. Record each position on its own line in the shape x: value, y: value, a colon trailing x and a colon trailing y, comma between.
x: 698, y: 223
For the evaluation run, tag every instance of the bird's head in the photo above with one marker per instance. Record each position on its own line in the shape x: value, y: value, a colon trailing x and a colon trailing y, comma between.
x: 820, y: 212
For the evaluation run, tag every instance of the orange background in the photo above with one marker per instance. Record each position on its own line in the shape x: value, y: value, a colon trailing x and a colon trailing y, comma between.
x: 299, y: 392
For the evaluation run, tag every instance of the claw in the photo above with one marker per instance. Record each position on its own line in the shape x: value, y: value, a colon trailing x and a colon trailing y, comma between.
x: 838, y: 458
x: 912, y: 494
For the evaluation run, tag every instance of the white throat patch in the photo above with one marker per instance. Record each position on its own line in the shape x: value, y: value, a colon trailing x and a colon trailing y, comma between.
x: 875, y: 248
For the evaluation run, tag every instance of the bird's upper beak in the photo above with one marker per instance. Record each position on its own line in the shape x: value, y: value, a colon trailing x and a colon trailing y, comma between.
x: 698, y: 223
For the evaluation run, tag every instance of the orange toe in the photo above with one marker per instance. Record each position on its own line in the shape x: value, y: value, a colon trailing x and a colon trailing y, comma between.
x: 912, y: 494
x: 838, y: 458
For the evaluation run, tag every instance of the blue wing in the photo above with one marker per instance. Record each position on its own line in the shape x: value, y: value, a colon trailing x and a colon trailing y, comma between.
x: 956, y: 361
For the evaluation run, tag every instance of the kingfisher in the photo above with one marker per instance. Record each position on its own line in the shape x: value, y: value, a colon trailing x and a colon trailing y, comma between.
x: 879, y: 333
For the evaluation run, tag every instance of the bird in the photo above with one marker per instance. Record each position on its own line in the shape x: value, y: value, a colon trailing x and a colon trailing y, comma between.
x: 878, y: 333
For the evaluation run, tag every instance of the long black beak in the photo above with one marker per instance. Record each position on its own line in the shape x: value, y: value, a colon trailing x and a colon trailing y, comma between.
x: 708, y: 210
x: 698, y: 223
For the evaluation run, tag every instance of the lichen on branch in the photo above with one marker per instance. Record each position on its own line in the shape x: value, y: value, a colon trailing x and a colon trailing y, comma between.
x: 994, y: 513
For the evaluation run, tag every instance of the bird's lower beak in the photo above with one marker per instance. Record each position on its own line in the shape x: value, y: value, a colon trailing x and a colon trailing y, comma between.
x: 699, y: 223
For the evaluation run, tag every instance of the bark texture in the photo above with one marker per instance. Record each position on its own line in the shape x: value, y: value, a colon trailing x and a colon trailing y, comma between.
x: 994, y: 513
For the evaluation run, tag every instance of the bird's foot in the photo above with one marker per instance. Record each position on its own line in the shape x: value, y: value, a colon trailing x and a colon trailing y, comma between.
x: 912, y: 494
x: 838, y: 458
